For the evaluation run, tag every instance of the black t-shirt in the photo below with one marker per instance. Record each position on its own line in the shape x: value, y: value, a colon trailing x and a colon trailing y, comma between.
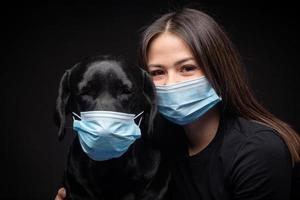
x: 245, y: 160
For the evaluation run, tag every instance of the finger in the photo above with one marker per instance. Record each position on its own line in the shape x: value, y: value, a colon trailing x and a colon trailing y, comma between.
x: 62, y: 192
x: 58, y: 197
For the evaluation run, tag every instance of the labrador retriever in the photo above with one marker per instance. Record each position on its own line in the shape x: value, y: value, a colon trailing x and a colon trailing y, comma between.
x: 104, y: 83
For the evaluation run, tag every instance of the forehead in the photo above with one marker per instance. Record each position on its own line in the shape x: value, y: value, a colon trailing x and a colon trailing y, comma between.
x: 107, y: 71
x: 110, y: 68
x: 166, y: 48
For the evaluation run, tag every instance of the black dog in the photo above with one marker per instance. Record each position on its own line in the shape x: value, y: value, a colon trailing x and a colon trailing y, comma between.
x: 106, y: 84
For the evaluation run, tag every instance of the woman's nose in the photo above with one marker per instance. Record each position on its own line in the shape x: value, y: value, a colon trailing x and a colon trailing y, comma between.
x: 171, y: 78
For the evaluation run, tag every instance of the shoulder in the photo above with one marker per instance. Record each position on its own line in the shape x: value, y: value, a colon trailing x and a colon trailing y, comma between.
x: 242, y: 133
x: 256, y: 161
x: 247, y: 141
x: 258, y: 135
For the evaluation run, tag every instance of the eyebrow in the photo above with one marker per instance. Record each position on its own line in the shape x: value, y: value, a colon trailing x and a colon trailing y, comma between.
x: 176, y: 63
x: 183, y: 60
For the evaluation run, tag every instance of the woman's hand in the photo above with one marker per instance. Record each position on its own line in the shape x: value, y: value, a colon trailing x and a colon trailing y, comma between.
x: 61, y: 194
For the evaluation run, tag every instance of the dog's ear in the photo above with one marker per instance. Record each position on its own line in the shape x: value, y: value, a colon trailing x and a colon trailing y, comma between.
x: 64, y: 93
x: 150, y: 95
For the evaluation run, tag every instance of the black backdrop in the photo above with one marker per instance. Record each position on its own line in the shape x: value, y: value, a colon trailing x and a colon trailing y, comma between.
x: 41, y: 41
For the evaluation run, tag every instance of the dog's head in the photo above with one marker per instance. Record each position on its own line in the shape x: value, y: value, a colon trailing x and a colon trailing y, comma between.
x: 104, y: 83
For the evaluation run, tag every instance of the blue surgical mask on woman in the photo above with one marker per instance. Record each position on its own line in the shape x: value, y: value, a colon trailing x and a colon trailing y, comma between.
x: 105, y: 135
x: 186, y: 101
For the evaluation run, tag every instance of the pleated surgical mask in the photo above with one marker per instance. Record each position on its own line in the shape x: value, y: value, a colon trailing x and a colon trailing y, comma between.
x: 104, y: 135
x: 184, y: 102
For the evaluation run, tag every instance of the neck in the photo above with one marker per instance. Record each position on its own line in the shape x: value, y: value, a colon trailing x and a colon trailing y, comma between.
x: 202, y: 131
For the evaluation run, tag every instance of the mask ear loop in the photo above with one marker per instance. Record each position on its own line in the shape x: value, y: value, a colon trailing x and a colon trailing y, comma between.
x: 76, y: 116
x: 140, y: 118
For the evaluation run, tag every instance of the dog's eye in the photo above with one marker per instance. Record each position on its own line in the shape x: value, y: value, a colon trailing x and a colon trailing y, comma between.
x: 86, y: 92
x: 83, y: 93
x: 126, y: 90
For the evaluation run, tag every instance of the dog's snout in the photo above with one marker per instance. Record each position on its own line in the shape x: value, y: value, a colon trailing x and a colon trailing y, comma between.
x: 106, y: 102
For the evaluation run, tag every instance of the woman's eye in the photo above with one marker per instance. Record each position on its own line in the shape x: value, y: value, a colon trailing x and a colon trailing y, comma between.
x: 188, y: 68
x: 156, y: 72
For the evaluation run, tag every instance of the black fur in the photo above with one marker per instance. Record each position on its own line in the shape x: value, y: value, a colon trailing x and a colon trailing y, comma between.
x: 103, y: 83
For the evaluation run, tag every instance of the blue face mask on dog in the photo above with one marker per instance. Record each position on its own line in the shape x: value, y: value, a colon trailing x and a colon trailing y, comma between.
x: 105, y: 135
x: 184, y: 102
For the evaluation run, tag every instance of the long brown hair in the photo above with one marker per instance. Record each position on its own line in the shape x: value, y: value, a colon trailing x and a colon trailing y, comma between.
x: 221, y: 64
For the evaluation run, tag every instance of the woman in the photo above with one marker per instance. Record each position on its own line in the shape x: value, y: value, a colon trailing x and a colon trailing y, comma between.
x: 232, y: 147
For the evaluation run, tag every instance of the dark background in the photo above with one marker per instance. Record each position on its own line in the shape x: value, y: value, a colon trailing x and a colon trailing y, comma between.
x: 42, y: 40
